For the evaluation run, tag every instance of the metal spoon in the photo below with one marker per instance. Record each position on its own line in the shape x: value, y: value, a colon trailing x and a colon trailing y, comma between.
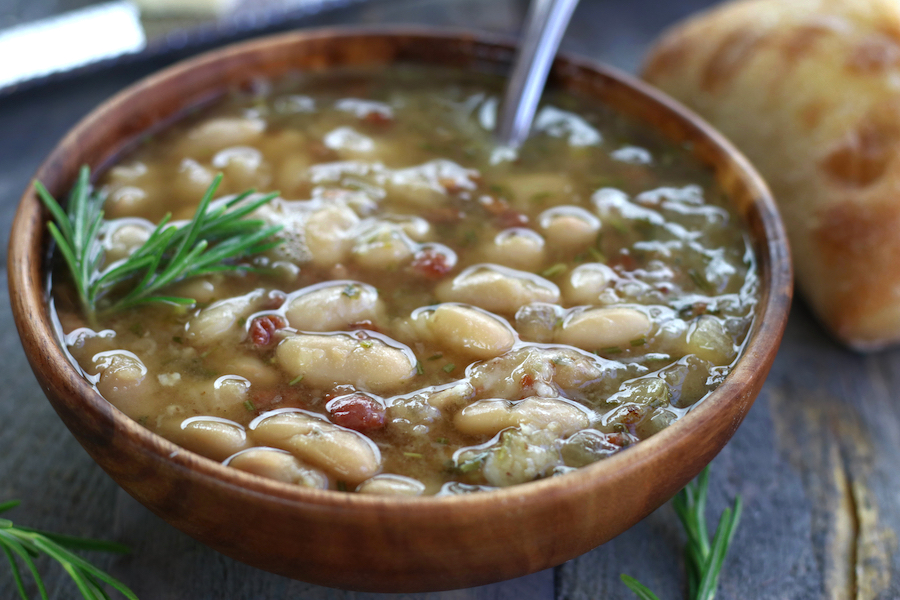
x: 544, y: 28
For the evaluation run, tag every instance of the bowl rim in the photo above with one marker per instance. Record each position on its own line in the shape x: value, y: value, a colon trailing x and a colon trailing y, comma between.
x: 28, y: 290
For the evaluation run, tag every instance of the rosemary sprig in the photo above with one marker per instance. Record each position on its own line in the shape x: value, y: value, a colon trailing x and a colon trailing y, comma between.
x: 210, y: 242
x: 27, y: 544
x: 703, y: 559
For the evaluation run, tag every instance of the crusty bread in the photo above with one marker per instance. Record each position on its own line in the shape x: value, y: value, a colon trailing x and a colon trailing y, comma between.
x: 809, y: 90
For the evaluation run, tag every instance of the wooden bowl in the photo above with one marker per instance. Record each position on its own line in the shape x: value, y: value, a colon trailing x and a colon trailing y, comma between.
x: 377, y: 543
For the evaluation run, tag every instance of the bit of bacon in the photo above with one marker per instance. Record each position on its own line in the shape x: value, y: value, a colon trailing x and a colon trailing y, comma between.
x: 431, y: 264
x: 445, y: 215
x: 274, y: 300
x: 620, y: 439
x: 321, y: 152
x: 625, y: 261
x: 505, y: 217
x: 451, y: 185
x: 262, y: 329
x: 356, y: 411
x: 376, y: 117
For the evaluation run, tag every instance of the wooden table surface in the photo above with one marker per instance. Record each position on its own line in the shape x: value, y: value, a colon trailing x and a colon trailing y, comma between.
x: 817, y: 460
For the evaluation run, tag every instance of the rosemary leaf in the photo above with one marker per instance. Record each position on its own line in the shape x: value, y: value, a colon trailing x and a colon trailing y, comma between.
x: 212, y: 241
x: 25, y: 544
x: 703, y: 559
x: 639, y: 589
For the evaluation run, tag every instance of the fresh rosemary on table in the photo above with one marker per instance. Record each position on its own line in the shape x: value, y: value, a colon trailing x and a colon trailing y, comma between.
x: 212, y: 241
x: 27, y: 544
x: 703, y: 559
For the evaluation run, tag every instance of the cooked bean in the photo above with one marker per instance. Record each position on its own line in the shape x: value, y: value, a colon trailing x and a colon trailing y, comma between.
x: 708, y: 339
x: 338, y: 359
x: 329, y: 234
x: 536, y: 187
x: 450, y: 397
x: 278, y: 465
x: 191, y: 182
x: 599, y: 328
x: 497, y: 289
x: 254, y: 370
x: 230, y: 394
x: 123, y: 381
x: 468, y: 331
x: 127, y: 200
x: 333, y: 306
x: 426, y: 185
x: 384, y: 246
x: 348, y: 142
x: 211, y: 437
x: 222, y: 132
x: 392, y: 485
x: 203, y: 290
x: 518, y: 248
x: 537, y: 321
x: 521, y: 456
x: 344, y: 453
x: 586, y: 282
x: 243, y: 167
x: 125, y: 239
x: 217, y: 322
x: 569, y: 227
x: 487, y: 417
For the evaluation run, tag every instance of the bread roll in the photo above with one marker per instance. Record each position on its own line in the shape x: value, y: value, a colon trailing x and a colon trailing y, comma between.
x: 809, y: 90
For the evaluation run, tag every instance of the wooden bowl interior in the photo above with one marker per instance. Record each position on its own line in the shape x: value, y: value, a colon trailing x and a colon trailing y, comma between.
x: 368, y: 542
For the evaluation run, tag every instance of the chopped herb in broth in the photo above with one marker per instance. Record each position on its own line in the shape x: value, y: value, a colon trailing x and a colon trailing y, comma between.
x: 436, y: 319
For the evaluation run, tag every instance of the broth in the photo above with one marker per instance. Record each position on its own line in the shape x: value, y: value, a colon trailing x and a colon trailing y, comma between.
x: 442, y: 316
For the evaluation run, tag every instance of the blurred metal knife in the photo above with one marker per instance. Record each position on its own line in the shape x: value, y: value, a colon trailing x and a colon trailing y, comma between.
x: 32, y: 51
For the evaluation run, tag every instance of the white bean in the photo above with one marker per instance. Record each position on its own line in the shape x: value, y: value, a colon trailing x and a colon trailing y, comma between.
x: 222, y: 132
x: 487, y: 417
x: 518, y: 248
x: 201, y: 289
x: 126, y: 238
x: 213, y: 438
x: 219, y: 321
x: 191, y: 182
x: 329, y: 234
x: 532, y: 187
x: 333, y: 306
x: 243, y: 167
x: 340, y: 359
x: 569, y: 227
x: 349, y: 143
x: 604, y: 328
x: 126, y: 201
x: 384, y: 246
x: 452, y: 396
x: 343, y: 453
x: 521, y: 456
x: 586, y: 282
x: 708, y: 339
x: 279, y: 465
x: 425, y: 186
x: 124, y: 383
x: 392, y: 485
x: 497, y: 289
x: 253, y: 369
x: 468, y: 331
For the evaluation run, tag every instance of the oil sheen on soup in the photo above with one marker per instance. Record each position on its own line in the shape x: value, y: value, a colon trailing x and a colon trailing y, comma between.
x: 442, y: 315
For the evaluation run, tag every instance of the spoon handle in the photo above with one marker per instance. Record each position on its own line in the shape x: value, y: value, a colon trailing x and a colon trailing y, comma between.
x: 544, y: 28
